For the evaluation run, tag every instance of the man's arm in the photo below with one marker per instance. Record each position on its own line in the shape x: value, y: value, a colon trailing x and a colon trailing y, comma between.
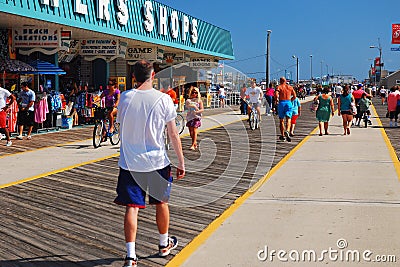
x: 293, y: 94
x: 176, y: 144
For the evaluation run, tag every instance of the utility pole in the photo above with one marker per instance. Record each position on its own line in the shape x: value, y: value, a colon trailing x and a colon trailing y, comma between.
x: 267, y: 74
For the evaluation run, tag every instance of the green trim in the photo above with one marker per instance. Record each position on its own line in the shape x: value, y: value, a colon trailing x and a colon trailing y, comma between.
x: 212, y: 40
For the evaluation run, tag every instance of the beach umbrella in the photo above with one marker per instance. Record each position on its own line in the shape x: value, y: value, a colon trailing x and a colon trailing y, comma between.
x: 15, y: 66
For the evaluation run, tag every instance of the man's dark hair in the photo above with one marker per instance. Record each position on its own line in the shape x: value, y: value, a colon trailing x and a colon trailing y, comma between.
x: 23, y: 84
x: 142, y: 70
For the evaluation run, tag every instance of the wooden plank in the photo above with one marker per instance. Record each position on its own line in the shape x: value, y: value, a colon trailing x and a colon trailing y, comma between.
x: 69, y: 218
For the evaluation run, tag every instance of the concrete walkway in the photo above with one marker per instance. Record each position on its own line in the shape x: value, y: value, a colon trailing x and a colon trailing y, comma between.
x: 337, y: 196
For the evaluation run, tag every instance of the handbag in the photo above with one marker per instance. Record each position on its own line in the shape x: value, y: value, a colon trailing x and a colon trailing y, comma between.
x: 314, y: 105
x: 353, y: 108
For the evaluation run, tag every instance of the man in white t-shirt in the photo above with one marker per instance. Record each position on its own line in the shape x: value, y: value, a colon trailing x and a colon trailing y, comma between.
x: 255, y: 97
x: 338, y: 90
x: 4, y: 95
x: 144, y: 164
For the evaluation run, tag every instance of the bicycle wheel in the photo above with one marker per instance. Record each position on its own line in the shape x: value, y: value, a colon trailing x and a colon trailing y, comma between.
x: 180, y: 123
x: 114, y: 139
x: 97, y: 134
x: 256, y: 121
x: 166, y: 141
x: 252, y: 121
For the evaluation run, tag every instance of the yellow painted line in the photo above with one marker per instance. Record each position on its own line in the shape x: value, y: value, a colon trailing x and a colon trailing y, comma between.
x: 57, y: 171
x: 41, y: 148
x: 189, y: 249
x: 392, y: 151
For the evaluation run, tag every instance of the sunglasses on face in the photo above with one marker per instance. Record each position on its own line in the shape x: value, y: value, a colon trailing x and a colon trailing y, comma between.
x: 195, y: 93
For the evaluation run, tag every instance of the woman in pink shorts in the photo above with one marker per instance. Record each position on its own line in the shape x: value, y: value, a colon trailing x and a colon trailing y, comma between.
x: 194, y: 106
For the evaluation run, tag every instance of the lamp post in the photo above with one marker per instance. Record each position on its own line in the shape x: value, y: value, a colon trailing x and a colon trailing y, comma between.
x: 321, y: 71
x: 379, y: 47
x: 267, y: 73
x: 311, y: 69
x: 297, y: 68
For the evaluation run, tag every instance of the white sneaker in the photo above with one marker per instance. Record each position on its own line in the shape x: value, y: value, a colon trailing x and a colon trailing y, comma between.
x: 2, y: 136
x: 9, y: 143
x: 19, y: 137
x: 29, y: 137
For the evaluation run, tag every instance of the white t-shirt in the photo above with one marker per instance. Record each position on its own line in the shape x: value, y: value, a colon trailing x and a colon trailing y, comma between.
x: 254, y: 94
x: 142, y: 115
x: 338, y: 90
x: 221, y: 91
x: 4, y: 94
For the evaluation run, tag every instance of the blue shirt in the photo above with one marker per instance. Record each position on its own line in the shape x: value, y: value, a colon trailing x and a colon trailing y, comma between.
x: 296, y: 104
x: 345, y: 102
x: 27, y: 97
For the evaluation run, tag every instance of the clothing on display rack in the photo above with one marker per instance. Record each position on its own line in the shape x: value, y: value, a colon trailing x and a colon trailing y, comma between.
x: 12, y: 117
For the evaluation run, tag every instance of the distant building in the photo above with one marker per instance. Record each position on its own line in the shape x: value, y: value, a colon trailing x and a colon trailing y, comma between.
x: 391, y: 80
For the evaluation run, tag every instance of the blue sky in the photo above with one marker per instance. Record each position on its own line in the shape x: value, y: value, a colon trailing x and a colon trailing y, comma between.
x: 337, y: 33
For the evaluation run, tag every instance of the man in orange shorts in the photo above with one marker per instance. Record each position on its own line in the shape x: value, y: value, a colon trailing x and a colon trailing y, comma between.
x: 284, y: 94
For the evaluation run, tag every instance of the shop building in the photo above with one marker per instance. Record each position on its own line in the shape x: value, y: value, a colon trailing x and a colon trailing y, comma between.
x: 88, y: 42
x: 94, y: 40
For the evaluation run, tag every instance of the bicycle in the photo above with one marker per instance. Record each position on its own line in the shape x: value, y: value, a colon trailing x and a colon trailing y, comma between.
x: 101, y: 130
x: 180, y: 125
x: 254, y: 119
x: 180, y: 122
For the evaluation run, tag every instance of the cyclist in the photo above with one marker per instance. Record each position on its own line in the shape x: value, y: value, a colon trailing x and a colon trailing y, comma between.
x: 255, y: 96
x: 111, y: 95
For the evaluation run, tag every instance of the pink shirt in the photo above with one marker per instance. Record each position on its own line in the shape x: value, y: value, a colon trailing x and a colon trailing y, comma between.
x: 392, y: 100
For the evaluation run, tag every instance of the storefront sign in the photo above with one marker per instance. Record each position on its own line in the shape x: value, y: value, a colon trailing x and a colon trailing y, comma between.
x: 169, y: 21
x: 141, y: 52
x: 173, y: 58
x: 36, y: 37
x: 202, y: 62
x: 176, y: 25
x: 96, y: 47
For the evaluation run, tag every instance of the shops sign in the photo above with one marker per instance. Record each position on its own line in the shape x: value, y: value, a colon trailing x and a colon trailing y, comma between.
x: 176, y: 25
x: 36, y: 37
x: 169, y: 22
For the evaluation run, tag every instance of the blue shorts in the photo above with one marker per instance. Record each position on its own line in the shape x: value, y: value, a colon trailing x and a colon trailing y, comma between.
x: 132, y: 187
x: 285, y: 108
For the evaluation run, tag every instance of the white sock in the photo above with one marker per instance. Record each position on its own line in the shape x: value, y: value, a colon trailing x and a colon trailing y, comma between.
x: 164, y: 239
x: 130, y: 250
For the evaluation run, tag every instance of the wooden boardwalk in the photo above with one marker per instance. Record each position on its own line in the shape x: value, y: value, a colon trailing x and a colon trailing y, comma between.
x: 69, y: 219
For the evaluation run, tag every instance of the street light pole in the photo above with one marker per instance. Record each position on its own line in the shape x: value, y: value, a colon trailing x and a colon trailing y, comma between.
x: 380, y: 58
x: 321, y: 71
x: 268, y: 55
x: 297, y: 68
x: 311, y: 69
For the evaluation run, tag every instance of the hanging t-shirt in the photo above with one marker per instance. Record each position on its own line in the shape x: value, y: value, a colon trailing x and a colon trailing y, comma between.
x: 142, y: 115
